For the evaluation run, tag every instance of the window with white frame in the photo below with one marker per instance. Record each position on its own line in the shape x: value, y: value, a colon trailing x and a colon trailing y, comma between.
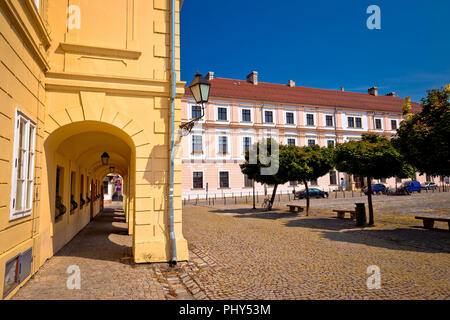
x: 268, y: 116
x: 393, y: 124
x: 224, y: 181
x: 290, y: 118
x: 246, y: 143
x: 309, y: 119
x: 330, y: 143
x: 197, y: 144
x: 378, y: 124
x: 246, y: 115
x: 196, y: 112
x: 223, y: 145
x: 329, y: 121
x: 23, y: 167
x: 291, y: 141
x: 222, y: 114
x: 311, y: 142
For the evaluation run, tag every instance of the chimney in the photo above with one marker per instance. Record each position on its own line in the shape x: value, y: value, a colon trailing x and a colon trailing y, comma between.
x: 373, y: 91
x: 210, y: 75
x: 342, y: 89
x: 292, y: 83
x: 253, y: 78
x: 392, y: 94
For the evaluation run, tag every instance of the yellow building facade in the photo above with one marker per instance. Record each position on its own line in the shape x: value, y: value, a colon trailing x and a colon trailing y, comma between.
x: 79, y: 78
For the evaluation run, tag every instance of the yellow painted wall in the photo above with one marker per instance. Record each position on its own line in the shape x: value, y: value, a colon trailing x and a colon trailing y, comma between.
x: 102, y: 87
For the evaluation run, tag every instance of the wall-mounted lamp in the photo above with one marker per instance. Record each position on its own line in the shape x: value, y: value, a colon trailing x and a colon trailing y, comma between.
x: 105, y: 158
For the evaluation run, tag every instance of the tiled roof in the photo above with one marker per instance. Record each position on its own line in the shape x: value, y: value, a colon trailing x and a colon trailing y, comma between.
x: 271, y: 92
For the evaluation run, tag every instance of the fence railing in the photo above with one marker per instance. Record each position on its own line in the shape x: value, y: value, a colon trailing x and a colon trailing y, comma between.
x: 246, y: 197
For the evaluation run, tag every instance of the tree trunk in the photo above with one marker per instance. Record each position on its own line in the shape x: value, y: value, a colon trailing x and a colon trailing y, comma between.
x: 369, y: 200
x: 307, y: 197
x: 274, y: 192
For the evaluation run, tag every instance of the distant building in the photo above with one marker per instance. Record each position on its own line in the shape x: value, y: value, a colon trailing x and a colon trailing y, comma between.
x: 241, y: 112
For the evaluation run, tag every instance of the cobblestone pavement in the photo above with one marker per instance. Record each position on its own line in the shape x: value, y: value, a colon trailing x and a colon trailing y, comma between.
x: 280, y: 255
x: 240, y: 253
x: 102, y: 250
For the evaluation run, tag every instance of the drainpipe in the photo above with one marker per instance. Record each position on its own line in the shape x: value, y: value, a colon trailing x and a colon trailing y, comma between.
x: 172, y: 135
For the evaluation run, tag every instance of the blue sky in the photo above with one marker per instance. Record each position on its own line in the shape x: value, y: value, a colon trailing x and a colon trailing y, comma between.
x: 321, y: 44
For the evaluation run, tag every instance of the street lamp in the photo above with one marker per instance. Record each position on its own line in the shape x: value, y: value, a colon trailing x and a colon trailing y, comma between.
x: 200, y: 88
x: 105, y: 158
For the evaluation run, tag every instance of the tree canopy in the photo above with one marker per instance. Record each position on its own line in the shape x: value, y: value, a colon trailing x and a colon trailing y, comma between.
x: 424, y: 137
x: 373, y: 156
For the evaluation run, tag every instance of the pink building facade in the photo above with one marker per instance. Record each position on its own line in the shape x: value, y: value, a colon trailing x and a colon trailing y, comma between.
x: 240, y: 113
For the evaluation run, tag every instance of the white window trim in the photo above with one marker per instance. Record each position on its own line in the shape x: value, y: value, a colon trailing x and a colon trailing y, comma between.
x: 203, y: 179
x: 218, y: 179
x: 274, y: 117
x: 190, y: 105
x: 220, y: 155
x: 305, y: 113
x: 197, y: 155
x: 252, y: 115
x: 293, y: 125
x: 28, y: 122
x: 375, y: 126
x: 325, y: 121
x: 242, y: 143
x: 216, y: 113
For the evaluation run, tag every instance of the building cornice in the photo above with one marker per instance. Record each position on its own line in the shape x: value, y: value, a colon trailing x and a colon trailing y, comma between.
x: 65, y: 81
x: 100, y: 51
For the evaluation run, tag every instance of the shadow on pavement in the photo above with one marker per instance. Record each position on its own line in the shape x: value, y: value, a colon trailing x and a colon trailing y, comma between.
x: 101, y: 239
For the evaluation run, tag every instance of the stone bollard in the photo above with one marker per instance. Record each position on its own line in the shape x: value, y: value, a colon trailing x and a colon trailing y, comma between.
x: 360, y: 211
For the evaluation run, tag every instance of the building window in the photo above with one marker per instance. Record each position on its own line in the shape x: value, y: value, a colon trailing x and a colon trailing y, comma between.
x: 310, y: 119
x: 330, y: 143
x: 393, y: 124
x: 196, y: 112
x: 293, y: 183
x: 428, y: 178
x: 197, y: 180
x: 329, y: 121
x: 358, y: 122
x: 311, y: 142
x: 222, y: 114
x: 248, y: 183
x: 224, y: 181
x: 383, y: 180
x: 82, y: 201
x: 291, y: 142
x: 223, y: 145
x: 398, y: 180
x: 246, y: 144
x: 351, y: 122
x: 60, y: 208
x: 268, y: 116
x: 333, y: 179
x: 246, y: 115
x: 197, y: 145
x: 378, y: 124
x: 313, y: 182
x: 73, y: 203
x: 23, y: 167
x: 289, y: 118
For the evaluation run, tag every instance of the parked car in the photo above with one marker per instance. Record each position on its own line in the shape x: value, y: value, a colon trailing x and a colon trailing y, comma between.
x: 429, y: 186
x: 412, y: 186
x: 376, y: 189
x: 313, y: 193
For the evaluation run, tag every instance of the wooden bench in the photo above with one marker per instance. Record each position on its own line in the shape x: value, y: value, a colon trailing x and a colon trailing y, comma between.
x: 293, y: 207
x: 341, y: 213
x: 428, y: 222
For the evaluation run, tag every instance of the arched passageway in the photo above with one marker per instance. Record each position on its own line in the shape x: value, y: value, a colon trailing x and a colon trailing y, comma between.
x: 75, y: 174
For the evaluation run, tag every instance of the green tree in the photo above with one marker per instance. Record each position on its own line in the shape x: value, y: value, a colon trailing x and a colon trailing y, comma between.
x: 373, y: 156
x: 308, y: 163
x: 268, y: 166
x: 423, y: 138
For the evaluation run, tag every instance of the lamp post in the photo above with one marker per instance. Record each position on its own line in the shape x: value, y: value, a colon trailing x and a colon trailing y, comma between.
x: 200, y: 90
x: 105, y: 158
